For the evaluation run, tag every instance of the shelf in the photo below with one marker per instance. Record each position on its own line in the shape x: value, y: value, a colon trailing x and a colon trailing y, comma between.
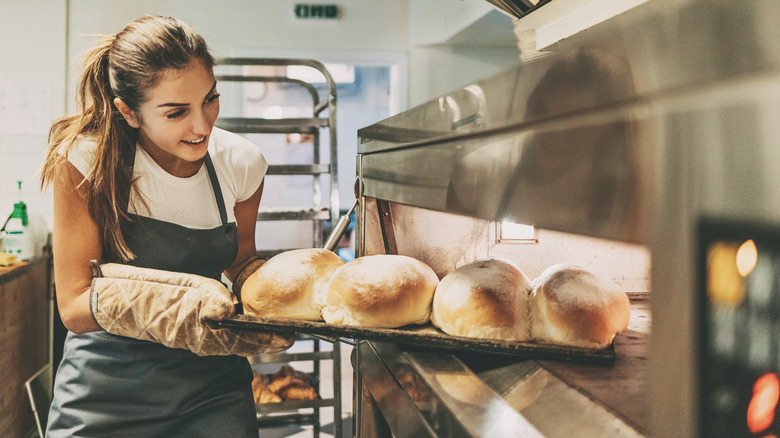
x: 293, y: 213
x: 286, y: 420
x: 273, y: 126
x: 298, y: 169
x: 291, y: 405
x: 323, y: 149
x: 292, y: 357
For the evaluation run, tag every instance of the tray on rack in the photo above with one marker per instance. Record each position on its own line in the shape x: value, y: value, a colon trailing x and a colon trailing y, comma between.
x: 423, y: 336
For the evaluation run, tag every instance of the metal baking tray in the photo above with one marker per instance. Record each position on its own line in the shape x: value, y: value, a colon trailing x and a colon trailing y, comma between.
x: 423, y: 336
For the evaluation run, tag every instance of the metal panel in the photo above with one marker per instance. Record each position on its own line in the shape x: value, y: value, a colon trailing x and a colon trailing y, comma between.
x: 427, y: 394
x: 557, y: 143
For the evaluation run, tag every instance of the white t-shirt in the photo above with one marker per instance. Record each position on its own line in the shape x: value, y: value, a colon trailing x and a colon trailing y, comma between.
x: 190, y: 202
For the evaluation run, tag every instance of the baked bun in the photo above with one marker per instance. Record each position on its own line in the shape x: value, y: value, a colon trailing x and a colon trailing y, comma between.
x: 385, y: 291
x: 486, y: 299
x: 576, y: 307
x: 290, y: 284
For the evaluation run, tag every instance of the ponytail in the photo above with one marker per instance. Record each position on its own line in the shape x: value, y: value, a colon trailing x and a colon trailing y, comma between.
x: 124, y: 65
x: 100, y: 121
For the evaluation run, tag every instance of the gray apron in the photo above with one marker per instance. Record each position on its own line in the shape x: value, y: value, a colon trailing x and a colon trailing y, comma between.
x: 113, y: 386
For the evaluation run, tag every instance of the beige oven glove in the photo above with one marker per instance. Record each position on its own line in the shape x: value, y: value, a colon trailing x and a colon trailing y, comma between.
x: 172, y: 309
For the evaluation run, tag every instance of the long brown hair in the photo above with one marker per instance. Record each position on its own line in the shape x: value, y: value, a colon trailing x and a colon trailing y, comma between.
x: 123, y: 65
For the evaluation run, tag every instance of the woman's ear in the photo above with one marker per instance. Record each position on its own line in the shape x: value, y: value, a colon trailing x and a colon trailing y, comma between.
x: 127, y: 113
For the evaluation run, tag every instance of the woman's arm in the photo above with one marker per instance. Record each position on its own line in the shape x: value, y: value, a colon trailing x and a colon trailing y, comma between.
x: 76, y: 241
x: 246, y: 221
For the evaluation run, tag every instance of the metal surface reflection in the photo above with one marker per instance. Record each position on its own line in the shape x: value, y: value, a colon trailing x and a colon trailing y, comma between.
x: 450, y: 400
x: 563, y: 176
x: 551, y: 143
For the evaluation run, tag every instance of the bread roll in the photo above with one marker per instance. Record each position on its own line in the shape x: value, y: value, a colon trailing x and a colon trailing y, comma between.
x: 487, y: 299
x: 290, y: 284
x: 385, y: 291
x: 576, y: 307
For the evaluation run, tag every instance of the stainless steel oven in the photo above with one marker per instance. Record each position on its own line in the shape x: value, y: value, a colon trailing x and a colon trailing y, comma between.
x: 618, y: 145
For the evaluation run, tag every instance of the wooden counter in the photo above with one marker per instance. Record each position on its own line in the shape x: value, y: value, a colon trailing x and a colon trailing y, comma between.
x: 24, y: 339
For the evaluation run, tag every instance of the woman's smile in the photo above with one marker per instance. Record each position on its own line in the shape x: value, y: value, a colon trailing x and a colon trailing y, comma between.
x: 195, y: 142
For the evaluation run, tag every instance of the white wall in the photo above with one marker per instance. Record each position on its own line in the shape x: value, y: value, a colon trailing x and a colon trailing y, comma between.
x: 453, y: 43
x: 32, y: 95
x: 422, y: 28
x: 233, y: 25
x: 436, y: 70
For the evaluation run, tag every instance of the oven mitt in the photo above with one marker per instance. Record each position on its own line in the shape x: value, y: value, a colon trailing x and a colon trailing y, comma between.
x: 172, y: 309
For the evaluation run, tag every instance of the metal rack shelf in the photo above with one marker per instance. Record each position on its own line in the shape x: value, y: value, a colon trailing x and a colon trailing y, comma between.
x: 273, y: 126
x: 289, y: 412
x: 299, y: 169
x: 293, y: 214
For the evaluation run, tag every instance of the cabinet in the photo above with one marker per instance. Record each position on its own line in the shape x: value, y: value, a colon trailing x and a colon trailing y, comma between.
x: 318, y: 127
x: 24, y: 340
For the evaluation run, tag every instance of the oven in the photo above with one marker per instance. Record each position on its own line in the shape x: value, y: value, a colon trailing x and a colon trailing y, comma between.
x: 633, y: 148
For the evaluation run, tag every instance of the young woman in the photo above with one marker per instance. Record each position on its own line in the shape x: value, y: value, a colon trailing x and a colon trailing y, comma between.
x: 165, y: 203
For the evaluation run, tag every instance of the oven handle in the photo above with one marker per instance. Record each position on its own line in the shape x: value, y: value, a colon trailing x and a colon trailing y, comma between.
x: 339, y: 229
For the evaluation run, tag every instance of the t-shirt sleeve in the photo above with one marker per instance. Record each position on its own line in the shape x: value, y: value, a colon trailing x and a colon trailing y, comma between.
x: 82, y: 155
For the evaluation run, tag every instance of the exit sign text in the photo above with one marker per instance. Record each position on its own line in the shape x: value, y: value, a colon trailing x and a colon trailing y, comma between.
x: 316, y: 11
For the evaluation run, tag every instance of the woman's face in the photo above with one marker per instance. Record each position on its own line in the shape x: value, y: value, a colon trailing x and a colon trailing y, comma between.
x: 175, y: 121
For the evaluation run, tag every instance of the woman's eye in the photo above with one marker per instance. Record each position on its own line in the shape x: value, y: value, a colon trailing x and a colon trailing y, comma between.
x: 175, y: 114
x: 212, y: 98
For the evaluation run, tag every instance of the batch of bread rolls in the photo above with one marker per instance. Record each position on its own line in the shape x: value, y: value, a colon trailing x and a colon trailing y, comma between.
x: 285, y: 384
x: 489, y: 298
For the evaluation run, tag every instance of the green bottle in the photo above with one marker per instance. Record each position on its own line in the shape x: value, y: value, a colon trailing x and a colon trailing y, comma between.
x: 19, y: 240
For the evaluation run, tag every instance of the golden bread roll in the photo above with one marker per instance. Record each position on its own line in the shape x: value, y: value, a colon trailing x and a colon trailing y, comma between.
x: 280, y: 383
x: 486, y: 299
x: 290, y: 284
x: 285, y: 384
x: 266, y: 396
x: 384, y: 291
x: 576, y: 307
x: 260, y: 389
x: 298, y: 391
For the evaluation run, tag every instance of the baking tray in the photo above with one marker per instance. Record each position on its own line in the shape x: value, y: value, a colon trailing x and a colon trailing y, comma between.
x: 422, y: 336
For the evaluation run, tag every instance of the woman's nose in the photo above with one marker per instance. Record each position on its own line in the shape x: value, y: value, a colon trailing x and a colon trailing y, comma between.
x: 201, y: 123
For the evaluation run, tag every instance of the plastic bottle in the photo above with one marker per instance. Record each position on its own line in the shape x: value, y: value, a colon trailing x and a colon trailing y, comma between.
x: 19, y: 238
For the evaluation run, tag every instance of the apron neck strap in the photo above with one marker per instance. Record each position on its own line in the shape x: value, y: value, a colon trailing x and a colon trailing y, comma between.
x: 129, y: 158
x: 215, y: 186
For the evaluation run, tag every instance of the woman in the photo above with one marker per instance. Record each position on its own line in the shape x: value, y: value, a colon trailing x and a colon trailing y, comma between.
x: 146, y: 185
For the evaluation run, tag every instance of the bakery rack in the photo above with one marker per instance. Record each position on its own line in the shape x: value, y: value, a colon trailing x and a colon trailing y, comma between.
x: 273, y: 72
x: 318, y: 212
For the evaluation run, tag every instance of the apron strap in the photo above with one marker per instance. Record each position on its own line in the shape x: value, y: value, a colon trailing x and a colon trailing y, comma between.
x: 129, y: 159
x: 217, y: 190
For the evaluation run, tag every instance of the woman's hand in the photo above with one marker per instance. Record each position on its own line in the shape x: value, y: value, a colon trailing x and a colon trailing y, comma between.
x: 174, y: 309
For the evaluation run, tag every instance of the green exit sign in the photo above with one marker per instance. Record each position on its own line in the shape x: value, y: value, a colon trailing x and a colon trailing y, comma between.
x: 316, y: 11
